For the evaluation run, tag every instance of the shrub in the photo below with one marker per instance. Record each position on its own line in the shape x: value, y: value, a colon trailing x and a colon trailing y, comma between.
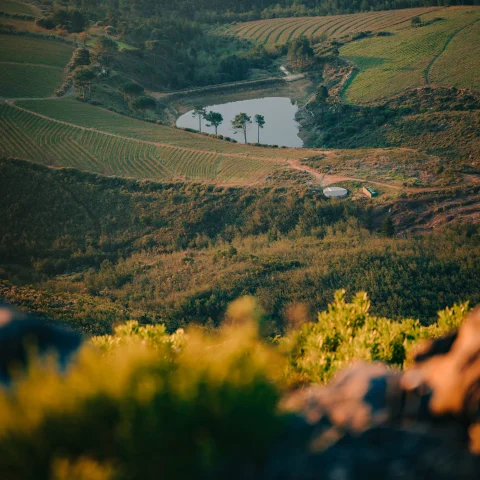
x: 347, y: 332
x: 152, y: 405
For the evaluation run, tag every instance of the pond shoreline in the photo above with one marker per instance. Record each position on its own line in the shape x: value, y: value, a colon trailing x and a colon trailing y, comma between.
x: 279, y: 128
x: 300, y: 91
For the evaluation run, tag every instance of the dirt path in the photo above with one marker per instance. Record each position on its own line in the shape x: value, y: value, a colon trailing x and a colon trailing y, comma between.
x: 325, y: 179
x: 295, y: 164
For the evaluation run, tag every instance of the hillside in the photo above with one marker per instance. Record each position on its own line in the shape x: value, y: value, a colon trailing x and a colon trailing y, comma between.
x: 79, y: 246
x: 58, y: 144
x: 274, y: 235
x: 96, y: 140
x: 283, y: 30
x: 12, y: 6
x: 438, y: 54
x: 177, y: 304
x: 31, y: 67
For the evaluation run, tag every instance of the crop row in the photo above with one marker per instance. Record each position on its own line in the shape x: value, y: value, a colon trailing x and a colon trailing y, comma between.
x: 18, y: 80
x: 54, y: 143
x: 85, y: 115
x: 459, y: 64
x: 282, y: 30
x: 391, y: 64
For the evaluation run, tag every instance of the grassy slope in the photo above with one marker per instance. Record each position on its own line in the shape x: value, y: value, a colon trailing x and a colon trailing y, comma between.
x: 9, y: 6
x: 282, y: 30
x: 461, y: 54
x: 389, y: 65
x: 168, y: 152
x: 31, y: 67
x: 56, y: 144
x: 28, y: 81
x: 81, y: 114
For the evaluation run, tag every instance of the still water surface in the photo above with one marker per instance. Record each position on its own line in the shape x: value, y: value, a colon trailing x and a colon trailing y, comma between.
x: 280, y: 127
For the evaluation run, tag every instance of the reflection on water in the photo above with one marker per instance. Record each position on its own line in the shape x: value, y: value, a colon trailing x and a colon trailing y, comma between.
x: 280, y: 127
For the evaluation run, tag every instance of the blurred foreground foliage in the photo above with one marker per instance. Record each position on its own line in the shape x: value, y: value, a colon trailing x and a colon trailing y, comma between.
x: 147, y: 404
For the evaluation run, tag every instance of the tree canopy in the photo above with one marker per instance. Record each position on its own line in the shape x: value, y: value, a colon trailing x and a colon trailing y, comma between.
x: 215, y: 119
x: 241, y: 122
x: 143, y: 103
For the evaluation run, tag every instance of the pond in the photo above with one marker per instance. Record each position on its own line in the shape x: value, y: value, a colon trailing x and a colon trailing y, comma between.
x: 280, y: 127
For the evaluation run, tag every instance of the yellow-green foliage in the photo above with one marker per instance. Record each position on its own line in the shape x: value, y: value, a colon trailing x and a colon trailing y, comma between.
x: 388, y: 65
x: 131, y: 333
x: 144, y: 404
x: 282, y: 30
x: 347, y: 332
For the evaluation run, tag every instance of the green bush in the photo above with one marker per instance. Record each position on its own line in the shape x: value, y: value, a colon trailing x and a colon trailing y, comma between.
x: 347, y: 332
x: 146, y: 404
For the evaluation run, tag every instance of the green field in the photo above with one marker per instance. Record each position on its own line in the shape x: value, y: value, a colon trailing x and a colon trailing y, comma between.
x: 53, y: 143
x: 281, y: 30
x: 462, y: 53
x: 9, y: 6
x: 17, y: 80
x: 82, y: 114
x: 14, y: 48
x: 31, y: 67
x: 171, y: 153
x: 413, y: 57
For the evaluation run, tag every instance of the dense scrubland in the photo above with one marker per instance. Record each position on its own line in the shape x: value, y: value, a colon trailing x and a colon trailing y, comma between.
x: 95, y: 251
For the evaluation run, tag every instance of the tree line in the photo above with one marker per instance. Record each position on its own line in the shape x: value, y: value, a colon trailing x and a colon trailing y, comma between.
x: 208, y: 11
x: 239, y: 124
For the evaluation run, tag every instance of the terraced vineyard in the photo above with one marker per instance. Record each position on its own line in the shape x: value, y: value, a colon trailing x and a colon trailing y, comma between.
x: 281, y: 30
x: 31, y: 67
x: 82, y: 114
x: 462, y: 52
x: 416, y: 56
x: 55, y: 143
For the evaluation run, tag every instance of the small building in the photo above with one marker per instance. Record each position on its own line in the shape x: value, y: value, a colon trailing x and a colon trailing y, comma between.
x: 335, y: 192
x: 369, y: 192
